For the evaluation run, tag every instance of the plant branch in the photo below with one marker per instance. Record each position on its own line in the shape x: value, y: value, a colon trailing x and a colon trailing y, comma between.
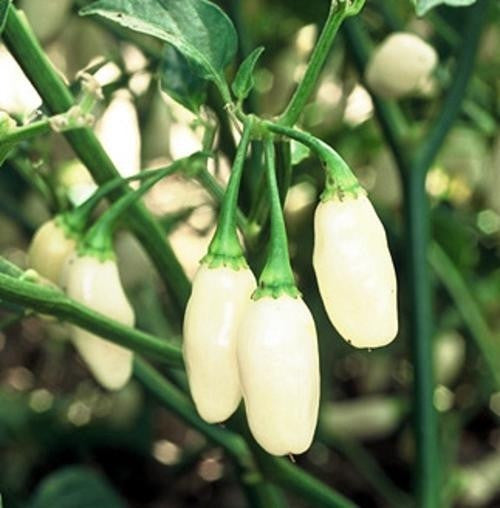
x: 48, y: 300
x: 24, y: 132
x: 26, y: 50
x: 279, y: 471
x: 428, y: 468
x: 468, y: 308
x: 338, y: 12
x: 216, y: 190
x: 452, y: 104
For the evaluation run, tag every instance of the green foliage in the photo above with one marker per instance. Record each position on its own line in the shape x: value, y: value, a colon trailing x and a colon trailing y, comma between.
x: 75, y: 487
x: 178, y: 78
x: 4, y: 9
x: 244, y: 80
x: 424, y: 6
x: 197, y: 28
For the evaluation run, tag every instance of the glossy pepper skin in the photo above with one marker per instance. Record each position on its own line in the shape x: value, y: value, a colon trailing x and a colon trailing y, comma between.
x: 96, y: 284
x: 355, y: 272
x: 50, y: 247
x: 279, y: 372
x: 218, y: 299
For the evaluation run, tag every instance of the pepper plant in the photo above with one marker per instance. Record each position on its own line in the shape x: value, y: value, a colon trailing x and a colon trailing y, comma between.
x: 250, y: 354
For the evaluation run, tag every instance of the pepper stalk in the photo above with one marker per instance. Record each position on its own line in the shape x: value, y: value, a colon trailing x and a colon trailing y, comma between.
x: 98, y: 239
x: 340, y: 180
x: 225, y: 248
x: 277, y: 276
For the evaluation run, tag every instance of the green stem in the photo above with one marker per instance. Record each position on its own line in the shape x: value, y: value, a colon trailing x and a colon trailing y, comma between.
x: 53, y: 302
x: 98, y: 240
x: 56, y: 95
x: 452, y: 104
x: 225, y: 248
x: 24, y: 132
x: 277, y: 276
x: 340, y: 179
x: 173, y: 399
x: 78, y: 218
x: 47, y: 300
x: 279, y: 471
x: 338, y: 12
x: 468, y: 308
x: 428, y: 470
x: 414, y: 172
x: 284, y: 473
x: 215, y: 189
x: 364, y: 462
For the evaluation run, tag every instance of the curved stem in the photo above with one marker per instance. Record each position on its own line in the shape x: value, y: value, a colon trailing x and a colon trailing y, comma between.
x: 339, y: 177
x: 78, y: 218
x: 338, y: 12
x: 277, y: 276
x: 225, y: 247
x: 47, y: 300
x: 98, y: 239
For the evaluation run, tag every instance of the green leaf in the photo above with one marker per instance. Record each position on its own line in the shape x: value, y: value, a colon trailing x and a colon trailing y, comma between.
x: 423, y: 6
x: 199, y: 29
x: 244, y: 80
x: 4, y: 10
x: 75, y: 487
x: 179, y: 79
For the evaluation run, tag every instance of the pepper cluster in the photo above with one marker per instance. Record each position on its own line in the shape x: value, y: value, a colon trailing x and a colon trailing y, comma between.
x: 259, y: 342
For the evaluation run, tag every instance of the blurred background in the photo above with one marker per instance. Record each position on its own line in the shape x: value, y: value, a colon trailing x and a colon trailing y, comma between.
x: 56, y: 421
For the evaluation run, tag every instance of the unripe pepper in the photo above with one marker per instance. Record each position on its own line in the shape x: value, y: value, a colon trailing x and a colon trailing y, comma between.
x: 401, y: 65
x: 277, y: 348
x: 96, y: 283
x: 355, y: 273
x: 221, y: 291
x: 279, y: 370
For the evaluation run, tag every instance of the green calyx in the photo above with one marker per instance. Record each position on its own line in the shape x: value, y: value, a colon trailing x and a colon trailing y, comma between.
x: 276, y: 291
x: 236, y: 262
x: 98, y: 242
x: 69, y: 226
x: 340, y: 181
